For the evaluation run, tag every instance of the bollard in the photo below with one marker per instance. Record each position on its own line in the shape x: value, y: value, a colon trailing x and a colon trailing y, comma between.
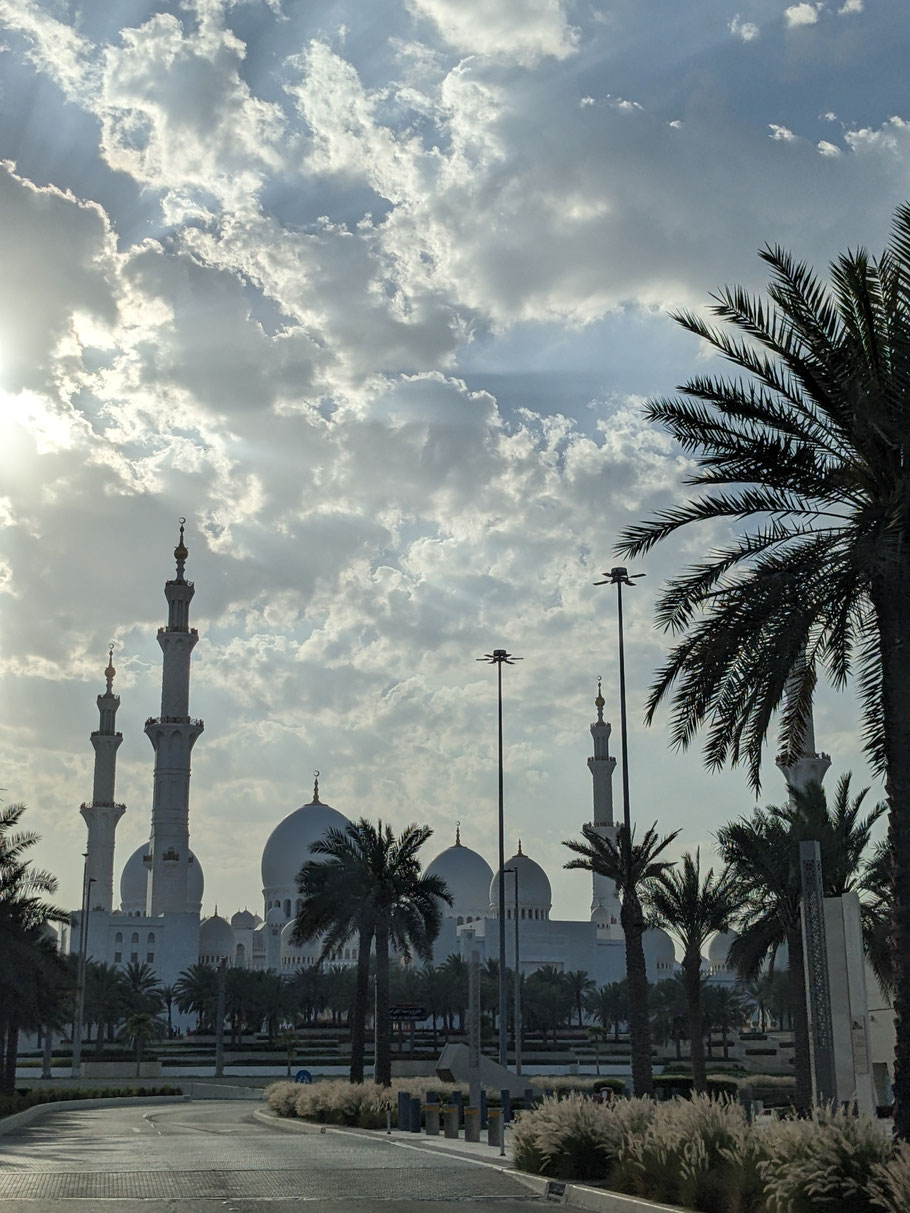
x: 450, y: 1120
x: 506, y: 1105
x: 494, y: 1127
x: 483, y: 1108
x: 415, y: 1116
x: 431, y: 1119
x: 458, y: 1101
x: 404, y: 1111
x: 472, y: 1124
x: 431, y: 1097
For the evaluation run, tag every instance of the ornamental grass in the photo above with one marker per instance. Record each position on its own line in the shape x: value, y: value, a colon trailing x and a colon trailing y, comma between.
x: 339, y: 1102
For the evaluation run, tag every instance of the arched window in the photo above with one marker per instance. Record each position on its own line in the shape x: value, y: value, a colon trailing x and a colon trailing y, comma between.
x: 287, y: 907
x: 118, y: 938
x: 459, y: 921
x: 151, y: 938
x: 135, y: 938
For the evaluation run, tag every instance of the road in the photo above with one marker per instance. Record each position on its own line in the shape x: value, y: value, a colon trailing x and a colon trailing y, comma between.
x: 214, y: 1156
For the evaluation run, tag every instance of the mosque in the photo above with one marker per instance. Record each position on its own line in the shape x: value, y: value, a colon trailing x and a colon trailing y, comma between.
x: 161, y: 885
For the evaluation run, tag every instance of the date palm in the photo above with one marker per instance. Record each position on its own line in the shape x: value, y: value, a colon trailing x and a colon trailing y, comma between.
x: 608, y: 1005
x: 581, y: 984
x: 806, y: 449
x: 693, y: 907
x: 634, y: 867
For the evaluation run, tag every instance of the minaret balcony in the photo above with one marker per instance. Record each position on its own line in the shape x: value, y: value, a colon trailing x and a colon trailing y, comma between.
x: 153, y: 720
x: 182, y: 631
x: 99, y: 733
x: 102, y: 804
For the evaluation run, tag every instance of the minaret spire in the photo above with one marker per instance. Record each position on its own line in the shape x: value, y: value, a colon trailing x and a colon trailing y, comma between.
x: 811, y: 766
x: 102, y: 814
x: 604, y: 901
x: 173, y: 735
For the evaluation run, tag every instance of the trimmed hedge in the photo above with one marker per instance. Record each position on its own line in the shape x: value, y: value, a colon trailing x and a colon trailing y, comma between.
x: 11, y: 1104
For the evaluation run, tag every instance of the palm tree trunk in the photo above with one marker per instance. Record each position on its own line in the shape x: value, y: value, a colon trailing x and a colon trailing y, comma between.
x: 633, y: 926
x: 691, y: 967
x: 383, y: 1042
x: 894, y: 630
x: 800, y: 1019
x: 9, y: 1062
x: 361, y: 1002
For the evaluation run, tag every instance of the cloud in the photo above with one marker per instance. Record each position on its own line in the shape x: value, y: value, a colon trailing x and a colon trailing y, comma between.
x: 520, y: 31
x: 802, y: 14
x: 746, y: 31
x: 851, y: 6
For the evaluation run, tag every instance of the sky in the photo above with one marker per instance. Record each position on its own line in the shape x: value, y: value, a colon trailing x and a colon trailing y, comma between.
x: 373, y: 294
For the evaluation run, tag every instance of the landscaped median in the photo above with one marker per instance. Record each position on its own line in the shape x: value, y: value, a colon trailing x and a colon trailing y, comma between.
x: 704, y: 1154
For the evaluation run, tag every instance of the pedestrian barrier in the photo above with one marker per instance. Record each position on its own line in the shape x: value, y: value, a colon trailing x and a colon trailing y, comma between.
x: 472, y: 1124
x: 415, y: 1116
x: 431, y: 1119
x: 494, y: 1127
x: 450, y: 1115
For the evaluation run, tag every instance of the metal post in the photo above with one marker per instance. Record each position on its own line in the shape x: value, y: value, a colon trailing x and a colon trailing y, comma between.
x: 474, y: 1026
x: 76, y: 1070
x: 219, y: 1019
x: 516, y: 992
x: 499, y: 657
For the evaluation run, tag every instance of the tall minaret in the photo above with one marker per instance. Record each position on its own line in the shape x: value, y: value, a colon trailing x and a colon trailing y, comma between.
x: 812, y: 765
x: 173, y: 735
x: 605, y: 902
x: 102, y: 815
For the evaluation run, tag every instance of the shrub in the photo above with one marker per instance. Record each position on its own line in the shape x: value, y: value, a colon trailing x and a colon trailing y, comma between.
x: 824, y: 1165
x: 889, y: 1184
x: 576, y: 1138
x: 339, y: 1102
x: 700, y: 1153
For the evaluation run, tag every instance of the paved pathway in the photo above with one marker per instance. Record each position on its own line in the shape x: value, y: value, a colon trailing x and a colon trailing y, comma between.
x: 208, y: 1156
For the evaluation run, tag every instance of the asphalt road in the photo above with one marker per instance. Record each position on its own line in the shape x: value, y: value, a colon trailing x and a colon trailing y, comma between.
x: 214, y: 1156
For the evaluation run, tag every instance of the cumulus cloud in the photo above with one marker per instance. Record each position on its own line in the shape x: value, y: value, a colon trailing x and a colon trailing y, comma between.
x: 521, y: 31
x: 851, y: 6
x: 746, y: 31
x: 802, y: 14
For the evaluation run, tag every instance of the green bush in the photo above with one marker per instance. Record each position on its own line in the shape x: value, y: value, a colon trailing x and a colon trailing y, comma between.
x: 10, y: 1104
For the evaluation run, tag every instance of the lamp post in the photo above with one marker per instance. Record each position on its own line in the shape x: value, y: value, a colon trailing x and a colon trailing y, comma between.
x: 87, y: 883
x: 619, y: 577
x: 516, y: 1013
x: 500, y: 657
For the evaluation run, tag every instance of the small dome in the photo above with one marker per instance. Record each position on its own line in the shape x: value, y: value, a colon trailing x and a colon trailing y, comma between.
x: 533, y: 885
x: 216, y: 937
x: 467, y: 876
x: 275, y: 917
x: 244, y: 920
x: 288, y: 845
x: 659, y: 948
x: 719, y: 947
x: 134, y: 883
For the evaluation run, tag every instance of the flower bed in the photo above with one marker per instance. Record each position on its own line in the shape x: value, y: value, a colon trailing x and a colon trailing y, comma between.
x: 703, y: 1154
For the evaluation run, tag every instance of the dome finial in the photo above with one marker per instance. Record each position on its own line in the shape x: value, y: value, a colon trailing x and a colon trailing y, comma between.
x: 110, y: 671
x: 315, y: 787
x: 458, y: 833
x: 599, y: 701
x: 520, y: 852
x: 180, y: 551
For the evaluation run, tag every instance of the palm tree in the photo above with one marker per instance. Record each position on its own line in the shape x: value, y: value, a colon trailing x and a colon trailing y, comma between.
x: 725, y: 1007
x: 104, y: 999
x: 30, y: 971
x: 369, y: 883
x: 142, y: 990
x: 878, y: 917
x: 454, y: 970
x: 763, y: 851
x: 669, y: 1001
x: 581, y: 984
x: 196, y: 992
x: 609, y: 1005
x: 692, y: 908
x: 141, y: 1027
x: 634, y: 867
x: 548, y: 999
x: 808, y: 453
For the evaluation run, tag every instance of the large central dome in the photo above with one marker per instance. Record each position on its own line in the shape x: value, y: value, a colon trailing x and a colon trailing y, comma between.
x: 288, y: 847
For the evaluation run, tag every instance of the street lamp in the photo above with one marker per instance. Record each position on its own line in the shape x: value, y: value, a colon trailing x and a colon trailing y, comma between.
x: 500, y: 657
x: 87, y: 882
x: 516, y: 1014
x: 620, y: 577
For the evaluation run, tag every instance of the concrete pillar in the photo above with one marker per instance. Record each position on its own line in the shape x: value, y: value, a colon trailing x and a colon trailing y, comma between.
x: 494, y: 1127
x: 472, y: 1124
x: 450, y: 1115
x: 431, y: 1119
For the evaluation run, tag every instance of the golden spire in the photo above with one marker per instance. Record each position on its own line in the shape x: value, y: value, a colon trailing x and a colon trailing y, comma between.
x: 520, y: 852
x: 458, y: 833
x: 599, y: 701
x: 315, y: 799
x: 110, y: 671
x: 180, y: 551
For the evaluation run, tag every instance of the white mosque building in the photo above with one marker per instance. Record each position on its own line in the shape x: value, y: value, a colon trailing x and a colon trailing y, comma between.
x: 161, y: 888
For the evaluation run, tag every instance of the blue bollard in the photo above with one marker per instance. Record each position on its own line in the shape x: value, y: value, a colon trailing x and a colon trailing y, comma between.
x: 404, y: 1111
x: 483, y: 1107
x: 431, y: 1097
x: 458, y: 1101
x: 506, y: 1106
x: 415, y: 1116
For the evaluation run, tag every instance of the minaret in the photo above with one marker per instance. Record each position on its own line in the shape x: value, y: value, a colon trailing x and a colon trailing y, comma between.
x: 812, y: 765
x: 605, y: 902
x: 102, y: 815
x: 173, y: 735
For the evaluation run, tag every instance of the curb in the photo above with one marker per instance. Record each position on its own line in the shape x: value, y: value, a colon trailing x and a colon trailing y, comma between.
x: 574, y: 1196
x: 9, y: 1124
